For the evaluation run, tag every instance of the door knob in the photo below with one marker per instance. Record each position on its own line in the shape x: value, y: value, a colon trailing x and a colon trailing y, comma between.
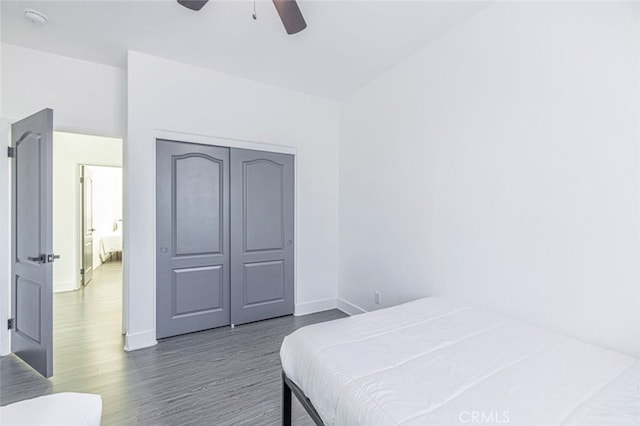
x: 289, y: 242
x: 163, y: 250
x: 44, y: 258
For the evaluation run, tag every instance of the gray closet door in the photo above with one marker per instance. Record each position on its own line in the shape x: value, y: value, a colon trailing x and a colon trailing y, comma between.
x: 192, y: 235
x: 262, y: 235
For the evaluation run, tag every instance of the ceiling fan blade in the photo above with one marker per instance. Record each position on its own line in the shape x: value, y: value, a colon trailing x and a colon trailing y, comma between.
x: 290, y: 15
x: 193, y: 4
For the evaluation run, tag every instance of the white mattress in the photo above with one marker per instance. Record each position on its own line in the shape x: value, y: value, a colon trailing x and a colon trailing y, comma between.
x: 439, y: 362
x: 110, y: 243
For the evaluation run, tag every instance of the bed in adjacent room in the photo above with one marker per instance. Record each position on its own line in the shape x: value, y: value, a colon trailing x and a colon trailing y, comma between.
x: 111, y: 243
x: 436, y: 361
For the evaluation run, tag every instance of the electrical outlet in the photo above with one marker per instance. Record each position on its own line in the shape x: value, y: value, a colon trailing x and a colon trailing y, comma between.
x: 377, y: 297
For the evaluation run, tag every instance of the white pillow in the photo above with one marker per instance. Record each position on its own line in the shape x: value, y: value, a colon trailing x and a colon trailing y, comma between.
x: 64, y: 409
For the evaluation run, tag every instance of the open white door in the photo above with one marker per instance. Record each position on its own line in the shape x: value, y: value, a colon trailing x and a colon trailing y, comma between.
x: 32, y: 241
x: 86, y: 181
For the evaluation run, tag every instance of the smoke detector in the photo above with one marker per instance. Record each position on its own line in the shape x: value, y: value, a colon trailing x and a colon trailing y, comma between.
x: 35, y: 16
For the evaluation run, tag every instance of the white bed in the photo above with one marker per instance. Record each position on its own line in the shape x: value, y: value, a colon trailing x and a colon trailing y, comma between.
x: 439, y: 362
x: 109, y: 244
x: 112, y: 242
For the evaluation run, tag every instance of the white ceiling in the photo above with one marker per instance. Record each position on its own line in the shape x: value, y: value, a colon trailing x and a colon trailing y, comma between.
x: 346, y: 43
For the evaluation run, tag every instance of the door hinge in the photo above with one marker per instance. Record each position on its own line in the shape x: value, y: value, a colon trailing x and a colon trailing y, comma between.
x: 11, y: 152
x: 81, y: 271
x: 10, y: 324
x: 81, y: 179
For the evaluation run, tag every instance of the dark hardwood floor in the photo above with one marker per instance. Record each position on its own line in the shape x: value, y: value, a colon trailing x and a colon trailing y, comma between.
x: 218, y: 377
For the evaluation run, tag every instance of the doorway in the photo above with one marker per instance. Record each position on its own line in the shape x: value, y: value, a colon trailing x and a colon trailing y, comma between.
x: 45, y: 194
x: 100, y: 218
x: 87, y: 233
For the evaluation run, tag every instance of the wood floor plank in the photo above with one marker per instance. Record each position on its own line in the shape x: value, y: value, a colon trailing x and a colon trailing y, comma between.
x: 216, y: 377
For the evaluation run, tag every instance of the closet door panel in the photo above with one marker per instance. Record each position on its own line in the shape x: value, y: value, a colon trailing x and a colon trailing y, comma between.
x: 262, y: 213
x: 192, y: 238
x: 264, y: 282
x: 263, y: 194
x: 197, y: 290
x: 198, y: 207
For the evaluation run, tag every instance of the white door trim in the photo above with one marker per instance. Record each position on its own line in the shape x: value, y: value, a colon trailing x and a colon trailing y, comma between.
x: 5, y: 237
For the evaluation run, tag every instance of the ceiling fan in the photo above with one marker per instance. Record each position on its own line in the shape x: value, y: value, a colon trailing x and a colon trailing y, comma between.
x: 288, y: 10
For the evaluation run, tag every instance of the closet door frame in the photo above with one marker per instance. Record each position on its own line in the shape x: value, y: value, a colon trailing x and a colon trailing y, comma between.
x: 242, y: 144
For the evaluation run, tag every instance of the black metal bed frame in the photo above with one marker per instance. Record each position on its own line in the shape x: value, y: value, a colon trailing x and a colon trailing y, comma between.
x: 287, y: 388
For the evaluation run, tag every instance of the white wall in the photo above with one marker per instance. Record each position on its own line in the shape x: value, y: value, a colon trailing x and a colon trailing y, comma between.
x: 500, y: 165
x: 69, y: 152
x: 107, y: 204
x: 85, y: 97
x: 4, y: 219
x: 5, y: 239
x: 165, y: 95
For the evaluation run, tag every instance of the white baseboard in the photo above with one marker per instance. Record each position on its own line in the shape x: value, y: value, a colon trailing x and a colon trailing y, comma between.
x: 327, y: 304
x: 348, y: 307
x: 313, y: 307
x: 60, y: 286
x: 143, y: 339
